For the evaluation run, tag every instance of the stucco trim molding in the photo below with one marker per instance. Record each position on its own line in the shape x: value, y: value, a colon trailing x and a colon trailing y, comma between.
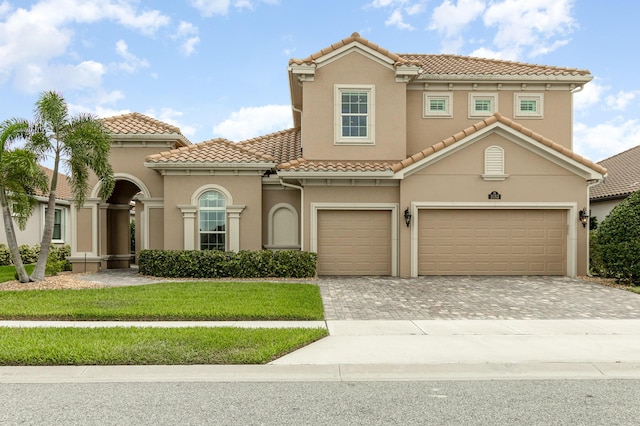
x: 570, y: 207
x: 123, y: 176
x: 392, y: 207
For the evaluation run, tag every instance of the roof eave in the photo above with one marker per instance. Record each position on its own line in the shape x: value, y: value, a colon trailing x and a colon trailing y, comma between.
x: 506, y: 77
x: 208, y: 165
x: 335, y: 175
x: 155, y: 137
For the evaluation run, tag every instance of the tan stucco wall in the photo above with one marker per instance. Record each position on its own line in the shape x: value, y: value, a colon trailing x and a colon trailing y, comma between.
x: 275, y: 195
x: 156, y: 229
x: 318, y: 111
x: 245, y: 190
x: 85, y: 241
x: 424, y: 132
x: 32, y: 234
x: 532, y: 179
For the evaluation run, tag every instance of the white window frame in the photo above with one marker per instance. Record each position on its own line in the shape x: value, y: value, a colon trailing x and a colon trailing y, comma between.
x: 222, y: 209
x: 538, y: 98
x: 63, y: 223
x: 491, y: 97
x: 339, y: 89
x: 429, y: 96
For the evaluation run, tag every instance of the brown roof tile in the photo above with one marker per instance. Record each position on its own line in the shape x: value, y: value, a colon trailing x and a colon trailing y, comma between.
x: 63, y: 187
x: 497, y: 117
x: 211, y: 152
x: 623, y: 178
x: 140, y: 124
x: 304, y: 165
x: 282, y: 146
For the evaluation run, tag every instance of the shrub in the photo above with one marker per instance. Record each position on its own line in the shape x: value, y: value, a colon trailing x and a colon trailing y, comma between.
x: 5, y: 255
x: 29, y: 254
x: 220, y: 264
x: 617, y: 243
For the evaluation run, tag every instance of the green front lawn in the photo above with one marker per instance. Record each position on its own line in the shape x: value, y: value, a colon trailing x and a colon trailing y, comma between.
x: 149, y: 346
x: 8, y: 272
x: 189, y: 301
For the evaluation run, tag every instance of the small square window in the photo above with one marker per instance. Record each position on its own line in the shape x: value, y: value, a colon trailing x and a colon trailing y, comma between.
x: 482, y: 104
x: 437, y: 105
x: 528, y: 105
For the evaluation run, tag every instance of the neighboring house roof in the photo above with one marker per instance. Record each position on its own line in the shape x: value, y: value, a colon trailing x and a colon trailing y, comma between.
x: 452, y: 65
x: 303, y: 165
x: 63, y: 187
x: 282, y: 146
x: 215, y: 151
x: 140, y: 124
x: 623, y: 178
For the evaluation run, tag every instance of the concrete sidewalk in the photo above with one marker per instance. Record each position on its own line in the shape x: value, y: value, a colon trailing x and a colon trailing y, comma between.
x: 402, y: 350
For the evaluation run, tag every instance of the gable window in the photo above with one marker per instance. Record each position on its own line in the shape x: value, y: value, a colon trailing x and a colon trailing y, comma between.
x: 494, y: 163
x: 529, y: 105
x: 212, y: 221
x: 482, y: 104
x: 437, y: 105
x: 354, y: 114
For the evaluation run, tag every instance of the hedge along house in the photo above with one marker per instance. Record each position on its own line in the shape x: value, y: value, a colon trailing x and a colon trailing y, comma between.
x: 398, y: 164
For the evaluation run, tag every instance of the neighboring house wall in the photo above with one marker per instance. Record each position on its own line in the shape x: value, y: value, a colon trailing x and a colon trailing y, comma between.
x: 32, y: 234
x: 600, y: 209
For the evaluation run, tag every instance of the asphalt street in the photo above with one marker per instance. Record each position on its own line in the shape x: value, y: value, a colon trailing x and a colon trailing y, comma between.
x: 479, y: 402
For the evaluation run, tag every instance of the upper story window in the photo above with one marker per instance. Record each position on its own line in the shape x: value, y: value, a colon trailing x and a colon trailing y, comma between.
x: 437, y: 105
x: 482, y: 104
x: 212, y: 221
x: 528, y: 105
x: 354, y: 114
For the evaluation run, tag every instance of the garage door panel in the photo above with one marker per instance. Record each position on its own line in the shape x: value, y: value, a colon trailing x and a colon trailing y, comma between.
x: 354, y: 242
x: 500, y: 242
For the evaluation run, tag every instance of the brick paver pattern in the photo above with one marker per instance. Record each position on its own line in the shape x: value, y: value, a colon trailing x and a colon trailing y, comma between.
x: 389, y: 298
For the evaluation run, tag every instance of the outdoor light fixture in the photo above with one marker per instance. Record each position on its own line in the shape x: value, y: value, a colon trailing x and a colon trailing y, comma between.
x: 584, y: 217
x: 407, y: 217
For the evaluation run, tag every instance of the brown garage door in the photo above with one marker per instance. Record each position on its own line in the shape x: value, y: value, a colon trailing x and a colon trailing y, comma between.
x: 492, y: 242
x: 354, y: 242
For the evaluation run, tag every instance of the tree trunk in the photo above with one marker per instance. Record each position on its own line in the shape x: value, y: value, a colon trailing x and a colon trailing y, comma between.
x: 47, y: 233
x: 10, y: 232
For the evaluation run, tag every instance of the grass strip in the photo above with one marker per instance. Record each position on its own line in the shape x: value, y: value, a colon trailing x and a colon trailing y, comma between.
x: 149, y: 346
x: 186, y: 301
x: 8, y: 272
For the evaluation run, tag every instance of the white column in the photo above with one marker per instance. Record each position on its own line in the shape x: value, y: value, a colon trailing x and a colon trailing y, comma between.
x: 189, y: 223
x: 233, y: 213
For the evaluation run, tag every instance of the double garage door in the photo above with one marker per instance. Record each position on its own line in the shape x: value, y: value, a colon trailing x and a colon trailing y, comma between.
x: 492, y: 242
x: 450, y: 242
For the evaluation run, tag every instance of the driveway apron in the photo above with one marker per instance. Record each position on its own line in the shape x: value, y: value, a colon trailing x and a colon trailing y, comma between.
x: 473, y: 298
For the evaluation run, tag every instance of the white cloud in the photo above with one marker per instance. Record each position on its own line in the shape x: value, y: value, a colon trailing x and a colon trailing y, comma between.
x: 187, y: 33
x: 254, y: 121
x: 5, y: 7
x: 606, y: 139
x: 171, y: 116
x: 589, y: 96
x: 396, y: 20
x: 34, y: 78
x: 131, y: 62
x: 189, y: 46
x: 622, y: 100
x: 450, y: 19
x: 221, y: 7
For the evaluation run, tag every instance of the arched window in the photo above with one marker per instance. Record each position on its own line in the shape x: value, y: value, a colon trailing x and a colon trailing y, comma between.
x: 212, y: 221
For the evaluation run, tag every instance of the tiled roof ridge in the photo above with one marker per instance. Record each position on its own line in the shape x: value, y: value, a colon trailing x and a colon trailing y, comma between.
x: 206, y: 144
x: 496, y: 61
x: 269, y: 136
x: 624, y: 176
x: 63, y: 189
x: 162, y: 124
x: 354, y: 37
x: 496, y: 117
x: 623, y: 153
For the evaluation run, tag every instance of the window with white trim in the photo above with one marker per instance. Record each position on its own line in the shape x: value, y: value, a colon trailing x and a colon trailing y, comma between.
x: 528, y: 105
x: 354, y: 114
x: 58, y: 225
x: 212, y: 221
x: 437, y: 105
x: 482, y: 104
x: 494, y: 163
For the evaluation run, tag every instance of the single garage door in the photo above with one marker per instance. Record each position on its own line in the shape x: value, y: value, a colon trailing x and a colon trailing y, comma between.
x: 492, y: 242
x: 354, y: 242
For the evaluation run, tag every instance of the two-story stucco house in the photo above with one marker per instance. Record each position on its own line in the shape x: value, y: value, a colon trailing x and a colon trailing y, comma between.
x: 397, y: 164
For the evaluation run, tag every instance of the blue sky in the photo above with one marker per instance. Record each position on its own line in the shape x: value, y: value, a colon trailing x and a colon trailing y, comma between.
x: 218, y: 68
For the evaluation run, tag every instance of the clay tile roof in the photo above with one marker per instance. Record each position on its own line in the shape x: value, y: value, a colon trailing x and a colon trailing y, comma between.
x: 63, y: 188
x: 282, y: 146
x: 210, y: 152
x: 303, y: 165
x: 467, y: 65
x: 353, y: 38
x: 623, y: 178
x: 497, y: 117
x: 136, y: 123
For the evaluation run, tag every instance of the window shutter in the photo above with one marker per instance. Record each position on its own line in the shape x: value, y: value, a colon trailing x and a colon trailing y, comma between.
x: 494, y: 161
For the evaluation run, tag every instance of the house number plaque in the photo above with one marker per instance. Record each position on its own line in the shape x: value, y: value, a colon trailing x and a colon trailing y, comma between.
x: 495, y: 195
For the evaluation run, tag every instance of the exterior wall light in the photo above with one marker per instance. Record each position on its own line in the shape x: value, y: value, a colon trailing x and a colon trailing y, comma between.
x: 584, y: 217
x: 407, y: 217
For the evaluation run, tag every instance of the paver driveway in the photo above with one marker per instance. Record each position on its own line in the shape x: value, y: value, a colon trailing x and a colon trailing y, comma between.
x: 390, y: 298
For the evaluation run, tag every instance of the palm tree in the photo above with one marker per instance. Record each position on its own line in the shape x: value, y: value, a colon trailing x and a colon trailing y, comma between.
x: 82, y: 143
x: 20, y: 179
